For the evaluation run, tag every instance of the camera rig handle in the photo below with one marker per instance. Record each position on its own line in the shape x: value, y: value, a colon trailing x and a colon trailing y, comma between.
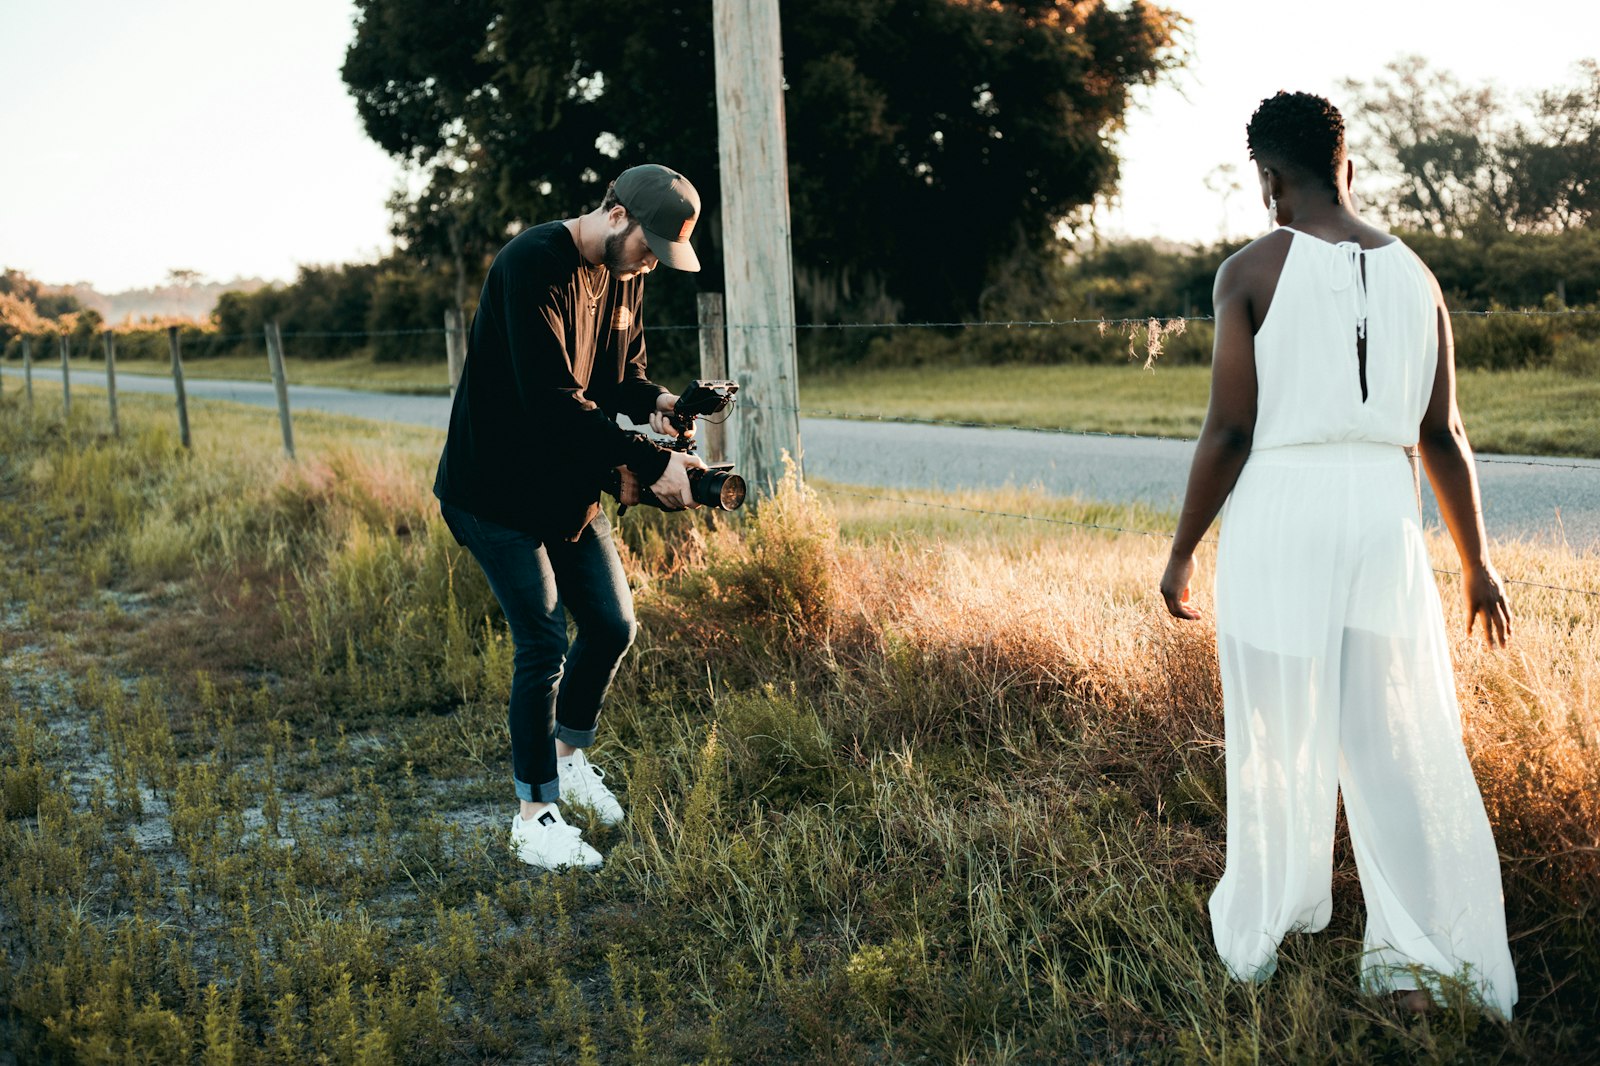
x: 706, y: 397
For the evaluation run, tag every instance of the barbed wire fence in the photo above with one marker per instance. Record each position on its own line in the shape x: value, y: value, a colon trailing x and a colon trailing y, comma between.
x: 1156, y: 327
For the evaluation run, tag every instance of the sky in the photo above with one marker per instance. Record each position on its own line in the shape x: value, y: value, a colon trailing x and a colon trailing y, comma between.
x: 217, y: 136
x: 210, y: 135
x: 1244, y: 51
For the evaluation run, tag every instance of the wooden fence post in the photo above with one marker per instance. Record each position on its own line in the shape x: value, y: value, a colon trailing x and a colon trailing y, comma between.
x: 27, y: 369
x: 758, y: 274
x: 66, y: 381
x: 177, y: 386
x: 111, y: 381
x: 713, y: 367
x: 280, y: 384
x: 455, y: 345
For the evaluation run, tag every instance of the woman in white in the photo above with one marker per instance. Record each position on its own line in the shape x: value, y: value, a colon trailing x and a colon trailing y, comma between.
x: 1333, y: 355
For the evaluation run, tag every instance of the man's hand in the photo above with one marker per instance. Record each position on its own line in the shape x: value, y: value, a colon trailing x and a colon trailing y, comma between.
x: 673, y: 487
x: 660, y: 420
x: 1175, y: 587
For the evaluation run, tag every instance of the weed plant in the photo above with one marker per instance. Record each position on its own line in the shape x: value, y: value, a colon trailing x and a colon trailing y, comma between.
x: 901, y: 786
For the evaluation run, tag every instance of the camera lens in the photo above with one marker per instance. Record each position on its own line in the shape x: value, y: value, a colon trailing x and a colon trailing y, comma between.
x: 731, y: 496
x: 722, y: 489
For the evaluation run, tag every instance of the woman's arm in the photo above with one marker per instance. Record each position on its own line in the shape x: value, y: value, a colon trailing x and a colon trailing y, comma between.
x: 1448, y: 458
x: 1224, y: 442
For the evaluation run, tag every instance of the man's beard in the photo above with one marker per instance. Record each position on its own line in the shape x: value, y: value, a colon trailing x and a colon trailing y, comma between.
x: 611, y: 257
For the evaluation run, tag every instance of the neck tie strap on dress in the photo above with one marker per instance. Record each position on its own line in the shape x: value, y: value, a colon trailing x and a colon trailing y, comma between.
x: 1347, y: 274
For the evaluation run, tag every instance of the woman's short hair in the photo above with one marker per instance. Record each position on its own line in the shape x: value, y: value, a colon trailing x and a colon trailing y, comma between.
x: 1300, y: 131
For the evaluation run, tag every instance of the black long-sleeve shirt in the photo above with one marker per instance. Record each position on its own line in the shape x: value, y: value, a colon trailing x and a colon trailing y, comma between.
x: 555, y: 353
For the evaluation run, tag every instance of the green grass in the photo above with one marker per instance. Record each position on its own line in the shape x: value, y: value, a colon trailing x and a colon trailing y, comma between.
x: 904, y: 783
x: 1168, y: 401
x: 1534, y: 412
x: 1531, y: 412
x: 356, y: 372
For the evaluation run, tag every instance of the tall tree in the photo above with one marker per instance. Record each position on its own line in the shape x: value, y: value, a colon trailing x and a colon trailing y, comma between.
x: 1553, y: 160
x: 416, y: 70
x: 1460, y: 158
x: 928, y: 139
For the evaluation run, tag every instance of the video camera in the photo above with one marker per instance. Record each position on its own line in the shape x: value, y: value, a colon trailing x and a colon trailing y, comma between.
x: 716, y: 486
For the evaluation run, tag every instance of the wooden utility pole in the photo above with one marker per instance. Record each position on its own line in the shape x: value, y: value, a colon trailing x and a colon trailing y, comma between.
x: 755, y: 239
x: 280, y: 384
x: 177, y: 387
x: 713, y: 367
x: 111, y: 381
x: 455, y: 346
x: 27, y: 369
x: 66, y: 380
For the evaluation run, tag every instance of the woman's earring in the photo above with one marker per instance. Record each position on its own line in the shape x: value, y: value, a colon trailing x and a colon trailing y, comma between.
x: 1272, y: 213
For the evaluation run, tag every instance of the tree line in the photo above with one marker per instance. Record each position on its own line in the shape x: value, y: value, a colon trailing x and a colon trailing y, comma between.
x: 1125, y: 283
x: 388, y: 310
x: 326, y: 310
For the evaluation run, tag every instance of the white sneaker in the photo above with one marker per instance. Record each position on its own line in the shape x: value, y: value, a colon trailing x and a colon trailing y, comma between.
x: 547, y: 841
x: 583, y: 782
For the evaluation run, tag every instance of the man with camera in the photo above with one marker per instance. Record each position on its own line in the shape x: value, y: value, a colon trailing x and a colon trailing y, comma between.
x: 556, y: 352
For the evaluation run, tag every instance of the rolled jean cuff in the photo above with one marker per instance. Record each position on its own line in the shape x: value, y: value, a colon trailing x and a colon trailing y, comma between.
x: 578, y: 738
x: 548, y: 792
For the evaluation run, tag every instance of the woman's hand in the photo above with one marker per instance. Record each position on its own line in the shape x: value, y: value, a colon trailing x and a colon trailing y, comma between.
x: 1175, y: 587
x: 1486, y: 595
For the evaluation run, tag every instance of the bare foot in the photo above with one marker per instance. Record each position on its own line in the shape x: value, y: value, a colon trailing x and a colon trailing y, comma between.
x: 1416, y: 1000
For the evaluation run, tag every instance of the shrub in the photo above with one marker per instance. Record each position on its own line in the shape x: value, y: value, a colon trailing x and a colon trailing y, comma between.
x: 1503, y: 342
x: 1577, y: 356
x: 767, y: 587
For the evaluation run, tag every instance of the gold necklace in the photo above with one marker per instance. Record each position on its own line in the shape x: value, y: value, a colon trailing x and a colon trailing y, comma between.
x: 592, y: 294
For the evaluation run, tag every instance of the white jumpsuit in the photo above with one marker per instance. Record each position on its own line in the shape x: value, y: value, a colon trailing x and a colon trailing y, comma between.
x: 1336, y: 674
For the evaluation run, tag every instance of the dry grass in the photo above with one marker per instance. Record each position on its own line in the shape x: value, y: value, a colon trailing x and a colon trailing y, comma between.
x: 902, y: 783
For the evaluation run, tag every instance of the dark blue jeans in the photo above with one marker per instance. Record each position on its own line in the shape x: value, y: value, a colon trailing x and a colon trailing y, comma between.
x: 556, y: 691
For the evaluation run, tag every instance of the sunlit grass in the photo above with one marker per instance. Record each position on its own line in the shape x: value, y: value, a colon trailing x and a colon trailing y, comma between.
x: 903, y: 781
x: 1009, y: 520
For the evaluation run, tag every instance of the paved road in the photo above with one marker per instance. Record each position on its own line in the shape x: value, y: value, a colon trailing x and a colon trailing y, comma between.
x: 1525, y: 496
x: 1522, y: 494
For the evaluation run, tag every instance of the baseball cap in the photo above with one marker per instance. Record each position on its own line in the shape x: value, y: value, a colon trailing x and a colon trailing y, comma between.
x: 667, y: 208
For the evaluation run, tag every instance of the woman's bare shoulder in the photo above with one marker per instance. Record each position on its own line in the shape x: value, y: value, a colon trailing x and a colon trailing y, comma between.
x: 1257, y: 263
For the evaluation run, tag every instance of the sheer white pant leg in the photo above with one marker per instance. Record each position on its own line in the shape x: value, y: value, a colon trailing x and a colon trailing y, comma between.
x: 1280, y: 584
x: 1282, y: 771
x: 1430, y: 872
